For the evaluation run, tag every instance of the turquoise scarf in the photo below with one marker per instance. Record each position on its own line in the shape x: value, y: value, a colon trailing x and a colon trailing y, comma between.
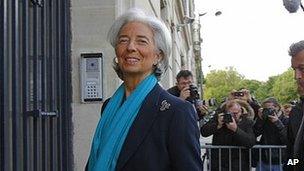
x: 114, y: 125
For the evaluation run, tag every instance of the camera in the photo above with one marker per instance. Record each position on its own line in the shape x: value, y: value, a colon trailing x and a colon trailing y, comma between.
x: 268, y: 111
x: 293, y: 102
x: 210, y: 102
x: 194, y: 95
x: 194, y: 98
x: 227, y: 117
x: 238, y: 94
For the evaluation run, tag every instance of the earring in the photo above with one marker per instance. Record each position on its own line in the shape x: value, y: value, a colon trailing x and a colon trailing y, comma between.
x: 116, y: 60
x: 157, y: 71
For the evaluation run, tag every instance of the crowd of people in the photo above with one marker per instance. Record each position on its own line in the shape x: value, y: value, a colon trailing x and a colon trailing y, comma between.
x: 144, y: 127
x: 240, y: 121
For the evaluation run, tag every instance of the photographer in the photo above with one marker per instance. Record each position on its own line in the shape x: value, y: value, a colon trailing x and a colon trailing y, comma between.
x: 185, y: 90
x: 244, y: 95
x: 273, y: 131
x: 231, y: 128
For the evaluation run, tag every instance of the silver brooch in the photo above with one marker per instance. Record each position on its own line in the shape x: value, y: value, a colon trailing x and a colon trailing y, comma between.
x: 164, y: 105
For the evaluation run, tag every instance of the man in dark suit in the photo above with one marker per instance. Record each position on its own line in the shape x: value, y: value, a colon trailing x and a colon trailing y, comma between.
x: 295, y: 130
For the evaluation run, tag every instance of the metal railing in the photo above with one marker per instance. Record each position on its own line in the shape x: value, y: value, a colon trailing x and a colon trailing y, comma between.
x: 35, y: 86
x: 257, y: 152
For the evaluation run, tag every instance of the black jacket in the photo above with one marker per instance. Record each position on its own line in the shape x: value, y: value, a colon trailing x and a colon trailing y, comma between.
x: 162, y: 138
x: 272, y: 134
x: 244, y: 137
x: 174, y: 91
x: 295, y: 119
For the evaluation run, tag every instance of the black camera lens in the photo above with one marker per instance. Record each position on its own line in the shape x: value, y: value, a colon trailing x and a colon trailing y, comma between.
x: 268, y: 111
x: 227, y: 117
x: 193, y: 92
x: 210, y: 102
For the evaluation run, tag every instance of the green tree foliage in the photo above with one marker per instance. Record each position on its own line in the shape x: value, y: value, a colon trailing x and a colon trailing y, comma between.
x: 284, y: 88
x: 265, y: 90
x: 219, y: 83
x: 252, y: 85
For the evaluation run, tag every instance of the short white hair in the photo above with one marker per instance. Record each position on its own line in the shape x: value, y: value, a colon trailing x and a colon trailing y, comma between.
x: 162, y: 36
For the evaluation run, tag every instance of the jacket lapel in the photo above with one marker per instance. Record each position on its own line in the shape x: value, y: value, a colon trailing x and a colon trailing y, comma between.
x: 141, y: 126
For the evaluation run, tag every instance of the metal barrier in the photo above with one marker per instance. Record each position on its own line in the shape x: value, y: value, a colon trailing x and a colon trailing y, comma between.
x: 256, y: 151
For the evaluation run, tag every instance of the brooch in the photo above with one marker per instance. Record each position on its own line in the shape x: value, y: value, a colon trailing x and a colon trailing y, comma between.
x: 164, y: 105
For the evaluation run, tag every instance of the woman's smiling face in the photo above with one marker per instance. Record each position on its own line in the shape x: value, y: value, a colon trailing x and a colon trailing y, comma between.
x: 135, y: 49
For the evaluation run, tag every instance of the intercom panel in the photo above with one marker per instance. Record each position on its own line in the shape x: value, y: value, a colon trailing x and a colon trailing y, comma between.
x: 91, y: 77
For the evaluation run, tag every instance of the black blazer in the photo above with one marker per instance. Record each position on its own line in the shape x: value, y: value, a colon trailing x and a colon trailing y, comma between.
x: 295, y: 120
x: 163, y: 137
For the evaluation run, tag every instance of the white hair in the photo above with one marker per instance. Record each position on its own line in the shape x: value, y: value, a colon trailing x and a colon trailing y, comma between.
x: 162, y: 36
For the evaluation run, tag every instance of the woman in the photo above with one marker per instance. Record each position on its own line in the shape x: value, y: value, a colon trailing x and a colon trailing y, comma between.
x: 143, y: 127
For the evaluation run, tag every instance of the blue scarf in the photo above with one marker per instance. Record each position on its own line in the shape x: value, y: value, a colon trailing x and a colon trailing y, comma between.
x: 114, y: 125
